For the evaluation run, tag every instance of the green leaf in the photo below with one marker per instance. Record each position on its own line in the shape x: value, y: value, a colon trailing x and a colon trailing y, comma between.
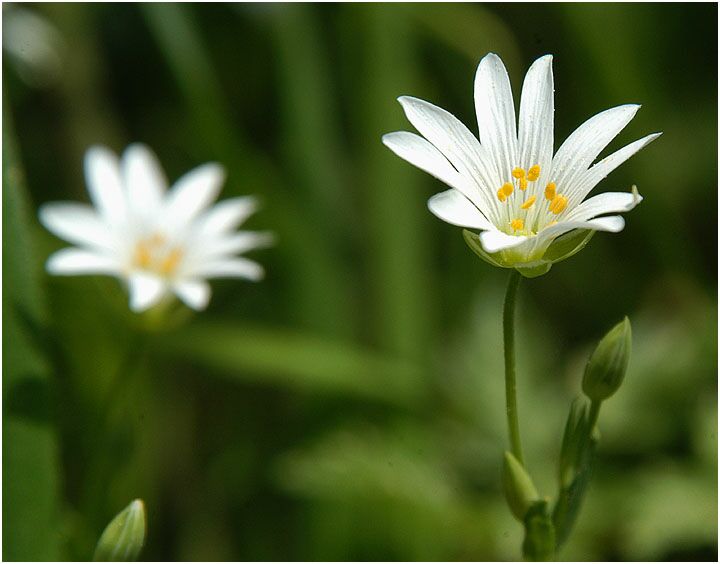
x: 539, y: 543
x: 30, y: 472
x: 296, y: 361
x: 577, y: 456
x: 123, y: 538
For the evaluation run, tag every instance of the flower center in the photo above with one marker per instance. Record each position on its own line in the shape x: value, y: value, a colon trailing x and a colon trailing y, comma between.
x: 154, y: 254
x: 520, y: 210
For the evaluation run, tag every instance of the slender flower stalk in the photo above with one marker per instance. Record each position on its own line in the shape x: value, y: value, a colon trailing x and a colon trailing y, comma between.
x: 509, y: 346
x: 159, y: 241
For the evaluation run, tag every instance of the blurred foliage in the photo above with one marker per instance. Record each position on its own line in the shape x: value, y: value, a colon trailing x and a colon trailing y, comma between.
x: 351, y: 405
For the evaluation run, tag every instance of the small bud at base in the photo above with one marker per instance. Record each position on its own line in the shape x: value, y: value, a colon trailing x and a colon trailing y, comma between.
x: 520, y: 491
x: 123, y: 538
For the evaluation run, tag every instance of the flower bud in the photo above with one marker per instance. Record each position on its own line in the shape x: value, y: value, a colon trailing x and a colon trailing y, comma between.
x: 606, y: 368
x: 520, y: 491
x: 123, y: 539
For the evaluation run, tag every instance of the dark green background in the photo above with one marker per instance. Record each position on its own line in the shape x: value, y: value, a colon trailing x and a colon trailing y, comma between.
x: 350, y: 406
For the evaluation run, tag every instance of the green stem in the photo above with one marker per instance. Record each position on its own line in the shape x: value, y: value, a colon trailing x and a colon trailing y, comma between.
x: 510, y: 387
x: 593, y: 416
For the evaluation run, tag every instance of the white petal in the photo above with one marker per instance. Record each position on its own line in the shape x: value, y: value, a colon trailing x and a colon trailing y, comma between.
x: 584, y: 145
x: 612, y: 223
x: 423, y: 154
x: 238, y: 243
x: 459, y: 146
x: 68, y: 262
x: 609, y: 202
x: 493, y: 241
x: 230, y: 268
x: 192, y: 193
x: 145, y: 290
x: 451, y: 206
x: 76, y: 223
x: 144, y: 179
x: 535, y: 124
x: 496, y: 115
x: 225, y: 216
x: 104, y: 182
x: 599, y: 171
x: 195, y: 293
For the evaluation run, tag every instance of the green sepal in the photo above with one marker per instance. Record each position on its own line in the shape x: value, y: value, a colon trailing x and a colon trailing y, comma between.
x: 560, y: 249
x: 520, y: 492
x: 577, y: 457
x: 123, y: 538
x: 567, y: 245
x: 534, y: 269
x: 539, y: 542
x: 473, y: 241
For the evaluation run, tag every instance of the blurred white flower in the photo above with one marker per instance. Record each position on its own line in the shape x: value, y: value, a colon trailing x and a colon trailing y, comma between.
x: 159, y: 241
x: 33, y: 44
x: 508, y: 184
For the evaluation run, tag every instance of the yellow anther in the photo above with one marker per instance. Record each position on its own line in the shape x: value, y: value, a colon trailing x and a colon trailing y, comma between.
x: 501, y: 195
x: 552, y: 223
x: 143, y: 256
x: 170, y: 262
x: 533, y: 173
x: 530, y: 201
x: 156, y: 240
x: 523, y: 184
x: 507, y: 188
x: 550, y: 191
x: 517, y: 224
x: 558, y: 204
x: 518, y: 172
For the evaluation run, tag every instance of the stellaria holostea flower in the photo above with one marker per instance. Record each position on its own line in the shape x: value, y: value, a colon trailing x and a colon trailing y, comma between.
x: 159, y: 241
x: 508, y: 185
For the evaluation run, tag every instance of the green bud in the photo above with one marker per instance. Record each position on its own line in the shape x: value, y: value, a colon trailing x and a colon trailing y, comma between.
x: 123, y: 539
x: 520, y: 491
x: 606, y: 368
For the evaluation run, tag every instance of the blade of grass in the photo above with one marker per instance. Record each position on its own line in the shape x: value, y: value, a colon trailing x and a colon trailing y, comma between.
x: 310, y: 116
x: 321, y: 297
x: 30, y: 503
x: 296, y: 361
x: 398, y: 245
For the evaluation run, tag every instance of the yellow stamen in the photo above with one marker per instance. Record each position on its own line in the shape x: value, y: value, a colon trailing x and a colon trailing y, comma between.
x: 170, y: 262
x: 518, y: 172
x: 558, y: 204
x: 517, y: 224
x: 143, y: 256
x: 501, y: 195
x: 507, y: 188
x: 552, y: 223
x: 530, y: 201
x: 523, y: 184
x: 550, y: 191
x: 156, y: 240
x: 533, y: 173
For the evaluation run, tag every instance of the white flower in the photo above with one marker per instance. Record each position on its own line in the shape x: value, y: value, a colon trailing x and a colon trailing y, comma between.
x: 508, y: 184
x: 159, y: 241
